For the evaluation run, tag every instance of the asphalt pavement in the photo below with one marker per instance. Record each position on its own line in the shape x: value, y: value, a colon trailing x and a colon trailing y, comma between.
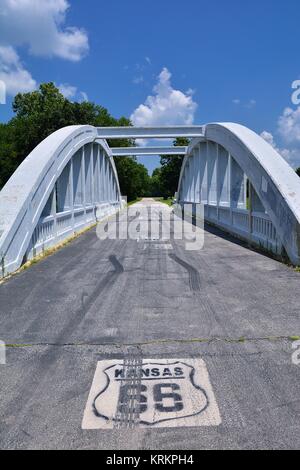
x: 227, y: 310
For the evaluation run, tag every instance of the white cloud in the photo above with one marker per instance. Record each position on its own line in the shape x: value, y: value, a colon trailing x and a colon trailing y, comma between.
x: 166, y: 106
x: 71, y: 92
x: 292, y: 156
x: 268, y: 137
x: 289, y: 125
x: 138, y: 80
x: 13, y: 74
x: 39, y: 24
x: 83, y: 96
x: 288, y: 128
x: 190, y: 92
x: 67, y: 90
x: 249, y: 105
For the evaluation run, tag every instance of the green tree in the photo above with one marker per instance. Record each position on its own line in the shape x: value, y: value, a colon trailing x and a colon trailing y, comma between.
x: 8, y: 154
x: 133, y: 178
x: 155, y: 189
x: 42, y: 112
x: 170, y: 170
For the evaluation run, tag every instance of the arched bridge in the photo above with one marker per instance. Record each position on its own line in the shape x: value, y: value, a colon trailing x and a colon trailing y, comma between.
x: 70, y: 181
x: 220, y: 323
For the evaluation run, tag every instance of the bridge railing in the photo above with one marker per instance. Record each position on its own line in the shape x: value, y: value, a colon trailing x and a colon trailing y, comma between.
x: 246, y: 187
x: 254, y: 227
x: 68, y: 183
x: 53, y: 229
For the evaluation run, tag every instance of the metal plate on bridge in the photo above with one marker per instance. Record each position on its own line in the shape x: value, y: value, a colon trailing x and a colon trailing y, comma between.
x: 151, y: 393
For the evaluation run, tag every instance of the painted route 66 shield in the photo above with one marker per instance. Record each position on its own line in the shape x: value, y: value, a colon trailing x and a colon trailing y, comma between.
x: 151, y: 393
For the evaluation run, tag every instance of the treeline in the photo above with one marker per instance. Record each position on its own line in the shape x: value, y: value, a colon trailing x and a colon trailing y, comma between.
x: 42, y: 112
x: 164, y: 181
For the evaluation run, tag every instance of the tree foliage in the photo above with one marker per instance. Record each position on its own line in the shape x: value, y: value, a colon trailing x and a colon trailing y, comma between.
x: 42, y: 112
x: 170, y: 170
x: 155, y: 188
x: 133, y: 178
x: 8, y: 154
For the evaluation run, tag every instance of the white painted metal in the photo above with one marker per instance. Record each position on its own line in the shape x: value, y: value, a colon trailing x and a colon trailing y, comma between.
x: 274, y: 182
x: 69, y: 181
x: 147, y: 151
x: 150, y: 132
x: 51, y: 196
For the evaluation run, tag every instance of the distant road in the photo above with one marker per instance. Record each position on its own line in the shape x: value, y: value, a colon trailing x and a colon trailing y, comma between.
x: 225, y: 311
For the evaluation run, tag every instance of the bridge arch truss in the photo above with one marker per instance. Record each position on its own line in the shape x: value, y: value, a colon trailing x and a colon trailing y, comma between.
x: 246, y: 187
x: 68, y: 183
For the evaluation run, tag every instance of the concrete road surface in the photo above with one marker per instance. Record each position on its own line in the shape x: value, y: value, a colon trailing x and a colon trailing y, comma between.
x: 219, y: 319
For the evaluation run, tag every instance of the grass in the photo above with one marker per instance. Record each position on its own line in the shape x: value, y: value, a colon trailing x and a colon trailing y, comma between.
x: 242, y: 340
x: 130, y: 203
x: 169, y: 201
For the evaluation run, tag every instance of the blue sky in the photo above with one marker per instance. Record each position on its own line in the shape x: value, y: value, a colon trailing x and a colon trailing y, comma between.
x: 162, y: 62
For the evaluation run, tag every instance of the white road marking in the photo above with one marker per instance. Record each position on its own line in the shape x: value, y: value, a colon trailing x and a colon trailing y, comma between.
x: 110, y: 332
x: 163, y: 246
x: 159, y: 393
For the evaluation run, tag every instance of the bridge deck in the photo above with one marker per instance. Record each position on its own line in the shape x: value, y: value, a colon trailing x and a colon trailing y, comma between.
x: 95, y: 300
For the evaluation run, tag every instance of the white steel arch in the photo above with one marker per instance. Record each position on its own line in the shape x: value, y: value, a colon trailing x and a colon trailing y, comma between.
x: 247, y: 188
x: 70, y: 181
x: 67, y: 183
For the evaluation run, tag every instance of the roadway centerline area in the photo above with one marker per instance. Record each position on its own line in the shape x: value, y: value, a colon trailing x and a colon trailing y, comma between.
x: 203, y: 338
